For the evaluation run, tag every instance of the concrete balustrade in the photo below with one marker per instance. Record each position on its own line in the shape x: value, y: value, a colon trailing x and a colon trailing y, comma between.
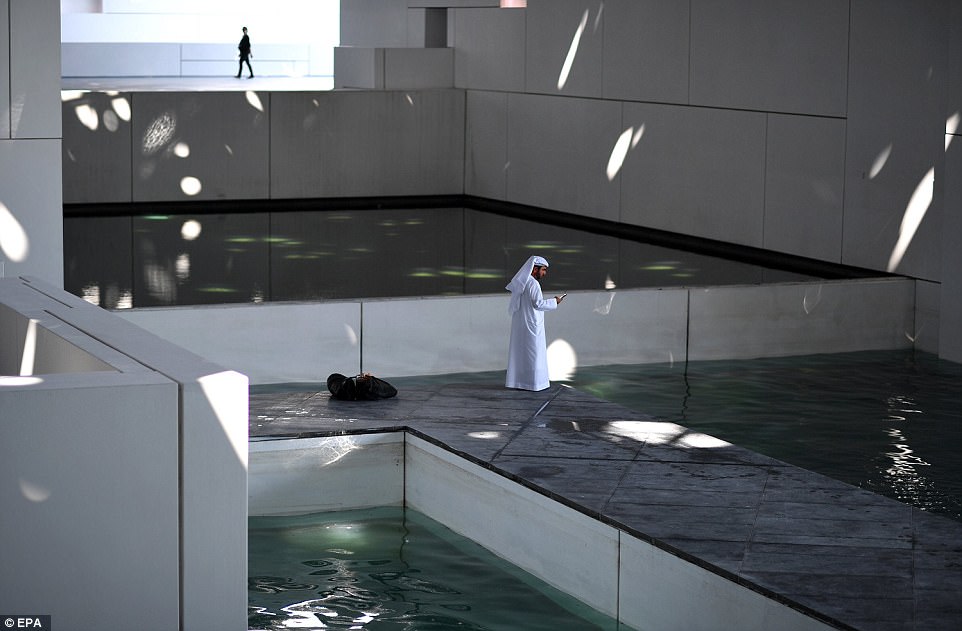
x: 123, y: 462
x: 291, y: 342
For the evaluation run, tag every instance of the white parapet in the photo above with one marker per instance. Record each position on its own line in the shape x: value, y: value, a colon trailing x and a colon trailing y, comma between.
x: 124, y: 468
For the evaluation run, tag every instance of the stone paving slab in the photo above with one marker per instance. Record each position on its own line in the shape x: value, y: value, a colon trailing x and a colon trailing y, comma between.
x: 849, y: 557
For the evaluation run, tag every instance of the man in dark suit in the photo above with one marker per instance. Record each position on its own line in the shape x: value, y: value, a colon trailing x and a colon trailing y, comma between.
x: 245, y: 54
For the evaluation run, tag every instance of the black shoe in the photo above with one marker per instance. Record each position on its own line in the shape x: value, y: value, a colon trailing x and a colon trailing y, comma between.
x: 251, y: 77
x: 237, y: 77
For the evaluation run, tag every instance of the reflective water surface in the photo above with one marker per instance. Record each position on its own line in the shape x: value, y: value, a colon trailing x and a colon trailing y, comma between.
x: 177, y: 259
x: 886, y: 421
x: 393, y: 568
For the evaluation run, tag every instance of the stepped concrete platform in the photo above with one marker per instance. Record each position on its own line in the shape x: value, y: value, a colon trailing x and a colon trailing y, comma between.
x: 845, y: 556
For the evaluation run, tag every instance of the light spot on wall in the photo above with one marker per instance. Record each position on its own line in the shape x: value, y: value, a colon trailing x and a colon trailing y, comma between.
x: 87, y: 116
x: 562, y: 361
x: 628, y: 140
x: 190, y: 185
x: 254, y: 100
x: 572, y: 51
x: 912, y: 218
x: 159, y: 133
x: 33, y: 491
x: 14, y: 242
x: 121, y: 107
x: 181, y: 150
x: 951, y: 128
x: 879, y: 163
x: 19, y: 381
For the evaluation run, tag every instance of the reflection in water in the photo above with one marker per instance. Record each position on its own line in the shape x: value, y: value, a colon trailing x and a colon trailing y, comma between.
x: 391, y: 568
x: 316, y: 255
x: 886, y: 421
x: 904, y: 474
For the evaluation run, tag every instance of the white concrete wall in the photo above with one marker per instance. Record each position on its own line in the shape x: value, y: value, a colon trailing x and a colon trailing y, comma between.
x: 124, y: 472
x: 277, y: 342
x: 423, y: 336
x: 742, y: 137
x: 31, y: 215
x: 261, y: 145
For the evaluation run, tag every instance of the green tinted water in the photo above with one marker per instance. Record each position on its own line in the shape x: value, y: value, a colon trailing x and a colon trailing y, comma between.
x: 390, y: 569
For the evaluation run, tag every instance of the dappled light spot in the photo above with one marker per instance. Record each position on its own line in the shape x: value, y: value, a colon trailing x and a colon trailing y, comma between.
x: 29, y: 355
x: 485, y: 435
x: 28, y: 380
x: 14, y: 242
x: 87, y: 116
x: 879, y: 163
x: 190, y: 230
x: 159, y: 133
x: 660, y: 433
x: 121, y: 107
x: 912, y: 218
x: 159, y: 283
x: 220, y: 391
x: 182, y: 267
x: 628, y: 140
x: 254, y: 101
x: 572, y: 51
x: 951, y: 128
x: 618, y: 154
x: 603, y: 303
x: 562, y: 361
x: 190, y: 185
x: 71, y: 95
x: 351, y: 334
x: 34, y: 492
x: 111, y: 121
x: 91, y: 294
x: 812, y: 297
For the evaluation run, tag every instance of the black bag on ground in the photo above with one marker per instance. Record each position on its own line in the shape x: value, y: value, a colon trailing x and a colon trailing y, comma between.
x: 363, y: 387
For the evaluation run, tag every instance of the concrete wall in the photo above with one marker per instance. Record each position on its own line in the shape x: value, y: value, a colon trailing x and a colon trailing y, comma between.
x: 633, y: 581
x: 31, y: 217
x: 258, y: 145
x: 826, y: 141
x: 123, y: 462
x: 292, y: 342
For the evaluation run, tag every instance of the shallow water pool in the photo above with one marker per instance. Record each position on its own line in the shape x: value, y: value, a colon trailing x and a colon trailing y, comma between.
x: 393, y: 568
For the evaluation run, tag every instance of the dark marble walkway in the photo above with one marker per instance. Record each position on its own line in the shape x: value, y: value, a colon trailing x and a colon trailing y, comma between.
x: 846, y: 556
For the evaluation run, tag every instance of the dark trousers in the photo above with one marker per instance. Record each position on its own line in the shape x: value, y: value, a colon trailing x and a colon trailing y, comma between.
x: 240, y: 66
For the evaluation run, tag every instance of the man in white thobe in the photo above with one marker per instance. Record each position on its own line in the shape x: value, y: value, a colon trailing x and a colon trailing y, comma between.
x: 527, y: 350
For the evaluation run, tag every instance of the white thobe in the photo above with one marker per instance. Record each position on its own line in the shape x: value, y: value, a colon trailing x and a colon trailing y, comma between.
x: 527, y: 350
